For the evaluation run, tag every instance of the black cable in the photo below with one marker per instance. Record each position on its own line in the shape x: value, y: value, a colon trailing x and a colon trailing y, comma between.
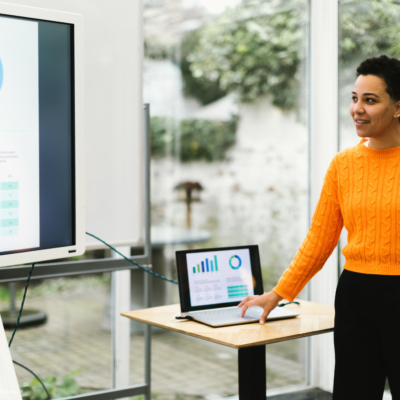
x: 44, y: 387
x: 160, y: 276
x: 290, y: 302
x: 123, y: 256
x: 133, y: 262
x: 16, y: 327
x: 26, y: 289
x: 22, y: 305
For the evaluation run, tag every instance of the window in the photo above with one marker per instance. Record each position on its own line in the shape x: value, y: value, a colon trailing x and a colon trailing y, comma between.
x: 227, y: 87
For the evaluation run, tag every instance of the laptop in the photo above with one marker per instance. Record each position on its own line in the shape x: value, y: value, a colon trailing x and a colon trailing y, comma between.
x: 212, y: 282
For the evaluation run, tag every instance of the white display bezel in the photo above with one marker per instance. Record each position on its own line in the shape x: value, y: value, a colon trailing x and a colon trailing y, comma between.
x: 33, y: 256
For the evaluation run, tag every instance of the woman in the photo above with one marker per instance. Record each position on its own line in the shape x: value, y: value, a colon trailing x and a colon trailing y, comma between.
x: 361, y: 191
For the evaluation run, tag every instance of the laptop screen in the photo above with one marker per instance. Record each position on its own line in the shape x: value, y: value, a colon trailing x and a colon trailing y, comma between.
x: 211, y: 278
x: 219, y: 276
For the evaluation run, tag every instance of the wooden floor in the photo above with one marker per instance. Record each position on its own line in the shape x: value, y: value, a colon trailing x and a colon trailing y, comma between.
x: 310, y: 394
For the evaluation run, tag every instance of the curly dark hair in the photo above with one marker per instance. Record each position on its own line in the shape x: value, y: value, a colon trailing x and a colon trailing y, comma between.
x: 386, y: 68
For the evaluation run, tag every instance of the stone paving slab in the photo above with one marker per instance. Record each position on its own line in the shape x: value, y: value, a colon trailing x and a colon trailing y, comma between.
x: 72, y: 340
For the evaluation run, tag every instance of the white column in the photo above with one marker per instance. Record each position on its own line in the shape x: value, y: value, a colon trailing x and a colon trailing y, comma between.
x: 324, y: 146
x: 121, y: 301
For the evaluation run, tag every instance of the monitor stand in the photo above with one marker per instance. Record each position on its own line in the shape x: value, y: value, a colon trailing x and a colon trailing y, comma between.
x: 28, y: 317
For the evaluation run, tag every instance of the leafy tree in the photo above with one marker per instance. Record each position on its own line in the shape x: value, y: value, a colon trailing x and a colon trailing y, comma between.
x: 204, y: 90
x: 256, y: 48
x: 155, y: 50
x: 252, y: 50
x: 369, y: 29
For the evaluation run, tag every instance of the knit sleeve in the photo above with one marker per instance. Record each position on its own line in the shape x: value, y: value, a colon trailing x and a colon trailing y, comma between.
x: 321, y: 240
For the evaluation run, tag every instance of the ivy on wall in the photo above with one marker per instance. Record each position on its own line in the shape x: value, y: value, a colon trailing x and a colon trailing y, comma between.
x: 201, y: 88
x: 257, y: 47
x: 252, y: 50
x: 192, y: 139
x: 369, y: 28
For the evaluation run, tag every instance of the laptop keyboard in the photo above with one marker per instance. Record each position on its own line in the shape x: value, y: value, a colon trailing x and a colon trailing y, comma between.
x: 227, y: 312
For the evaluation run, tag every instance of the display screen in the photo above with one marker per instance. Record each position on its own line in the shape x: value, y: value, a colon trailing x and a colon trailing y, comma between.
x: 219, y: 276
x: 216, y: 277
x: 37, y: 178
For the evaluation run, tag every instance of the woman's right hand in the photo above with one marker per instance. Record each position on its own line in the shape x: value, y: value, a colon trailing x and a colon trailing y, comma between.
x: 267, y: 301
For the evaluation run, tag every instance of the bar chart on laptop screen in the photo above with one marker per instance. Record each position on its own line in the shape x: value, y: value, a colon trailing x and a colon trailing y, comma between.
x: 219, y: 277
x: 206, y: 265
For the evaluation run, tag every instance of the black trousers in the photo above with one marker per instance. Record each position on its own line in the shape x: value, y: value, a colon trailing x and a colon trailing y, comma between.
x: 367, y: 336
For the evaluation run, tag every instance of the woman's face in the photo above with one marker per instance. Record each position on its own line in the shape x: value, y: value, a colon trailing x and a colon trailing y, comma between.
x: 373, y: 112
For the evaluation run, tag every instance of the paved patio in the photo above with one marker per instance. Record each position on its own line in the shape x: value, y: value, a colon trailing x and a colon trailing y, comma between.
x: 182, y: 367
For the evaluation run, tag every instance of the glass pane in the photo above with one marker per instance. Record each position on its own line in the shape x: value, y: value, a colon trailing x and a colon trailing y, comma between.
x: 226, y: 82
x: 71, y: 351
x: 366, y: 29
x: 210, y: 370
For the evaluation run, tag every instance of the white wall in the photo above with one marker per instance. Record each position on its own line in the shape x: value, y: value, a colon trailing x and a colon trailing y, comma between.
x: 113, y: 115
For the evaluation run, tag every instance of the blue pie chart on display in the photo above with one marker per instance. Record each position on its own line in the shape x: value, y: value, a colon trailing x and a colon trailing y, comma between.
x: 235, y: 262
x: 1, y: 73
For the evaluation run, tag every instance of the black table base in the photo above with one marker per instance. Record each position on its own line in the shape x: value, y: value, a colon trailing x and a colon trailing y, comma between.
x: 252, y: 373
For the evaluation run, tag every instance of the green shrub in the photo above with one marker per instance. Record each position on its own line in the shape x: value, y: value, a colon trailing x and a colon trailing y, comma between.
x: 257, y: 47
x: 202, y: 89
x: 252, y: 50
x: 68, y: 386
x: 192, y: 139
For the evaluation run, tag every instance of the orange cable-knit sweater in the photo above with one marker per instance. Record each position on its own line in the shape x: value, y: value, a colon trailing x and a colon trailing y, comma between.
x: 361, y: 191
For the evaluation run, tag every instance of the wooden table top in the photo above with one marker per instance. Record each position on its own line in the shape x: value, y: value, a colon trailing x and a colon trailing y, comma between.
x: 314, y: 319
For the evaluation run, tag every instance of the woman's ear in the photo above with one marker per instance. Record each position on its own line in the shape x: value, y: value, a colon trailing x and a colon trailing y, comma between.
x: 396, y: 109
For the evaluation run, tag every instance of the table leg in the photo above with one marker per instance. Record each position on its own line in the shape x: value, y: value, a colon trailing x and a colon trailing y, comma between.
x: 252, y: 373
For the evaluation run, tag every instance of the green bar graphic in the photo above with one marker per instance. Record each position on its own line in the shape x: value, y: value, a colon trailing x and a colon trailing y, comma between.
x: 9, y: 194
x: 9, y: 186
x: 194, y: 270
x: 9, y: 204
x: 198, y: 268
x: 216, y: 263
x: 5, y: 232
x: 242, y: 287
x: 6, y: 223
x: 212, y: 269
x: 237, y: 291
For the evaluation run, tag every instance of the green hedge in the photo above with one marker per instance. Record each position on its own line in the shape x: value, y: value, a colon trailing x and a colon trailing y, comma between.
x: 204, y: 90
x: 192, y: 139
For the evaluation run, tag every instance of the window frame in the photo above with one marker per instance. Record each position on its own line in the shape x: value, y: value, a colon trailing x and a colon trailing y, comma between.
x: 322, y: 66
